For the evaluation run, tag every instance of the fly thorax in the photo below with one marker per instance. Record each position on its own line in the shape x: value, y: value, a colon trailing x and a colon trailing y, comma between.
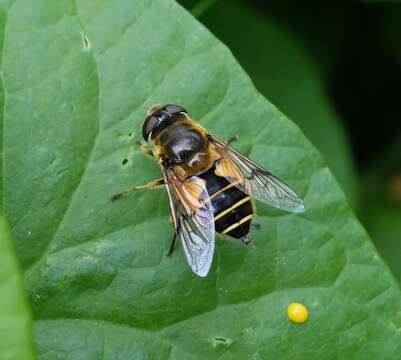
x: 184, y: 145
x: 197, y: 159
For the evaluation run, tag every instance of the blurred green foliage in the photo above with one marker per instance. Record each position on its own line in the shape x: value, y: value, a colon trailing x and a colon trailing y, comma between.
x: 390, y: 24
x: 285, y: 73
x: 294, y: 58
x: 381, y: 204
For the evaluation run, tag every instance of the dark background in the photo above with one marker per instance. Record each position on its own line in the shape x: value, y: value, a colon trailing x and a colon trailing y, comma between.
x: 335, y: 70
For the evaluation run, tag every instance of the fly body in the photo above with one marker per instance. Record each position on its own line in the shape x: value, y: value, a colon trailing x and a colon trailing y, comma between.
x: 210, y: 185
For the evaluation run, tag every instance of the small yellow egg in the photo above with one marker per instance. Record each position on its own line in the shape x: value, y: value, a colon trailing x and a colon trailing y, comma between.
x: 297, y: 313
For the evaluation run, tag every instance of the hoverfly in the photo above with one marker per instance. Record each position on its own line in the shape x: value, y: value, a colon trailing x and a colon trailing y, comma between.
x: 209, y: 184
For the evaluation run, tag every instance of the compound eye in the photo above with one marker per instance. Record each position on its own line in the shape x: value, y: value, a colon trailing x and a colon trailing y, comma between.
x: 151, y: 122
x: 173, y: 109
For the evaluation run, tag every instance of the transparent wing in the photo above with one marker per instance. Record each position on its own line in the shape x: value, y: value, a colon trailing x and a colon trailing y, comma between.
x: 193, y: 219
x: 254, y: 180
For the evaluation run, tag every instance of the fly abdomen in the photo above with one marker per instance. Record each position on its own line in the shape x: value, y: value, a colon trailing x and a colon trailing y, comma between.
x: 237, y: 221
x: 232, y: 208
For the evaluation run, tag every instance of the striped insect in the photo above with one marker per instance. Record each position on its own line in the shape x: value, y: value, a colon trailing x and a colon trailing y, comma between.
x: 210, y: 185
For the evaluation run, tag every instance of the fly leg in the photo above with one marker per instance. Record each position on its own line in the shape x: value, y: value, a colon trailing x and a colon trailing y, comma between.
x: 172, y: 245
x: 174, y: 239
x: 247, y: 242
x: 232, y: 139
x: 156, y: 184
x: 145, y: 148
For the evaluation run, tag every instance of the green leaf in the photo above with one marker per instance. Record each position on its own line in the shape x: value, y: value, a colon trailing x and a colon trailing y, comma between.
x: 16, y: 341
x: 283, y: 70
x: 77, y: 79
